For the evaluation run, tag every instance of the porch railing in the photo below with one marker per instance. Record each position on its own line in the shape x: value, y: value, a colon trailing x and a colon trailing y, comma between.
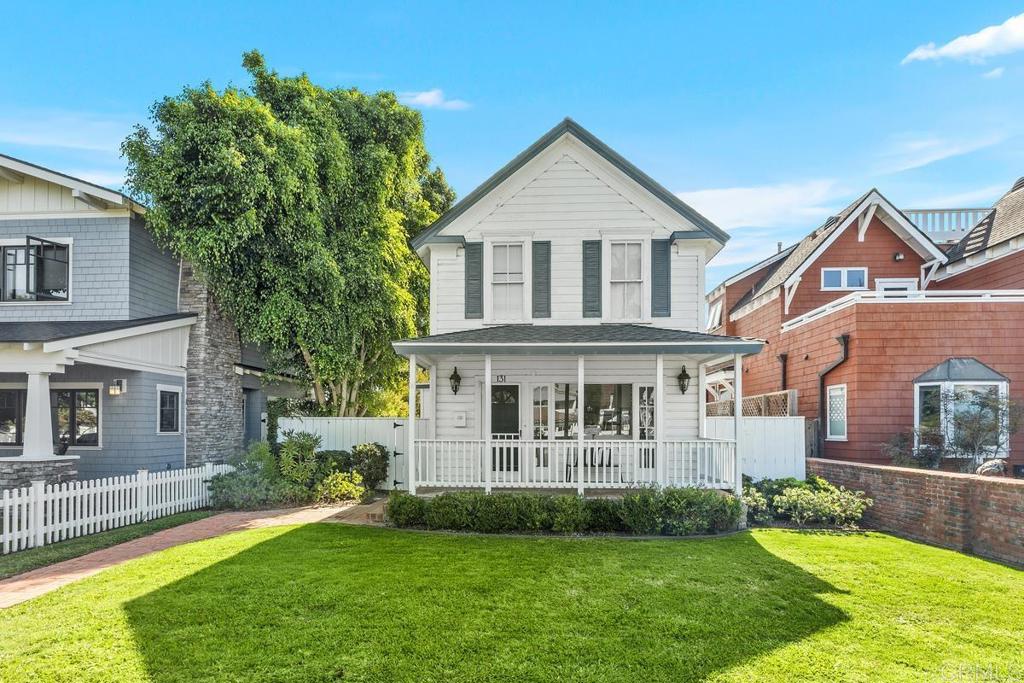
x: 599, y: 464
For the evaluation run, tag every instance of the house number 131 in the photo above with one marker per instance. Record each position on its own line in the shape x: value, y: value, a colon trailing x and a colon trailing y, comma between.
x: 499, y: 378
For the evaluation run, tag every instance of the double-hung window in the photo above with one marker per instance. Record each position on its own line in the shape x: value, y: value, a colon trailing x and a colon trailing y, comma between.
x: 844, y: 278
x: 835, y: 417
x: 627, y: 280
x: 37, y: 270
x: 507, y: 282
x: 168, y: 418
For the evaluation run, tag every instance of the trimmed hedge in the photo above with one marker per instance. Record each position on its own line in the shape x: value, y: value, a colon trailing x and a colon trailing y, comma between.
x: 814, y: 501
x: 670, y: 512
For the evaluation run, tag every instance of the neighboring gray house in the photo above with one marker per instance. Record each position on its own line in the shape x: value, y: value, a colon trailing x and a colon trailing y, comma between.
x: 113, y: 357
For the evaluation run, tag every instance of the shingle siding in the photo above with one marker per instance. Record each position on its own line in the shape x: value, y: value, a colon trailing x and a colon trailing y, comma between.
x: 152, y: 275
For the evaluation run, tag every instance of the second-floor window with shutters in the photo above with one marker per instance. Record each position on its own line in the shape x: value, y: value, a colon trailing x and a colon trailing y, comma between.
x: 627, y: 280
x: 507, y: 281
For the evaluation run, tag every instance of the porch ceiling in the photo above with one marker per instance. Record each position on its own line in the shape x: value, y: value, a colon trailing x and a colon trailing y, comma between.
x: 598, y: 339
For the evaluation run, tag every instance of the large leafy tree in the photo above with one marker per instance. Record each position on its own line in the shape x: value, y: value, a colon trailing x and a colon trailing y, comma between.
x: 295, y: 203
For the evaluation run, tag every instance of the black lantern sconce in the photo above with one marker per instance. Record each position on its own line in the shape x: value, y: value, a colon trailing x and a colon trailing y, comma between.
x: 455, y: 380
x: 684, y: 380
x: 898, y: 256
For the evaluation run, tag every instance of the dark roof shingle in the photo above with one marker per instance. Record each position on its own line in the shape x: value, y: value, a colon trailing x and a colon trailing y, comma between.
x: 52, y: 330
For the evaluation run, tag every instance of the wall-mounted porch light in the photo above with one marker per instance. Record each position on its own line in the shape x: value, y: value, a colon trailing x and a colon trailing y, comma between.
x: 684, y: 380
x: 898, y: 256
x: 118, y: 387
x: 455, y: 380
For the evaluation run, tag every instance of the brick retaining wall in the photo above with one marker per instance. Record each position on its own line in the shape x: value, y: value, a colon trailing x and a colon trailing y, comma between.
x: 981, y: 515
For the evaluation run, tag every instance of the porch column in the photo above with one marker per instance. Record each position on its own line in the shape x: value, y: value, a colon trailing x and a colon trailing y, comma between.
x: 737, y: 392
x: 579, y: 424
x: 433, y: 401
x: 38, y: 428
x: 410, y: 426
x: 488, y: 453
x: 702, y: 400
x: 660, y: 453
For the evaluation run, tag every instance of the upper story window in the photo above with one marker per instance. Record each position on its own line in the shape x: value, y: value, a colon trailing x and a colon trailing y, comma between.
x: 844, y: 278
x: 37, y: 270
x: 507, y: 283
x: 626, y: 280
x: 715, y: 314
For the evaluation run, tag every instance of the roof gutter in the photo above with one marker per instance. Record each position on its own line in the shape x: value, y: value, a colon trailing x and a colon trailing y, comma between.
x: 844, y: 350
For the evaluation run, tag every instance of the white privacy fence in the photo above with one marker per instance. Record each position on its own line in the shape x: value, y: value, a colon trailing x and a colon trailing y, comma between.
x: 771, y: 447
x: 40, y: 514
x: 343, y: 433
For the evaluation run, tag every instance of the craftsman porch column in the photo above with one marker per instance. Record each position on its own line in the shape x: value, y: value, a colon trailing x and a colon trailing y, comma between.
x: 581, y: 459
x: 737, y: 392
x: 410, y: 425
x: 702, y: 400
x: 488, y: 463
x: 38, y: 438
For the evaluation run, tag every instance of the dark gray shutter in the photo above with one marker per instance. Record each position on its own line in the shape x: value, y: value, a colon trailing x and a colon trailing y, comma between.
x: 474, y: 280
x: 541, y: 294
x: 661, y: 278
x: 592, y: 278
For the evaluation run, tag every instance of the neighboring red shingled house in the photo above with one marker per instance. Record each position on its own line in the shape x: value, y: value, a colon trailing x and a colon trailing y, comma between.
x: 863, y: 316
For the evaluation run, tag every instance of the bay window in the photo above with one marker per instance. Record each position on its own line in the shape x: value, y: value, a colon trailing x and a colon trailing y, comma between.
x: 626, y: 280
x: 37, y: 270
x: 969, y: 417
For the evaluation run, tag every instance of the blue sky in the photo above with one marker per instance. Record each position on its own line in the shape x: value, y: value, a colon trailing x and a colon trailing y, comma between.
x: 766, y: 117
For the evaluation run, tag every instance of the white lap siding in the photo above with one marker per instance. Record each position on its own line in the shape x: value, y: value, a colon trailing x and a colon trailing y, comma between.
x: 680, y: 409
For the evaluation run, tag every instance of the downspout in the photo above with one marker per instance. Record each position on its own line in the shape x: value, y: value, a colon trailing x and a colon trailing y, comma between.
x: 844, y: 345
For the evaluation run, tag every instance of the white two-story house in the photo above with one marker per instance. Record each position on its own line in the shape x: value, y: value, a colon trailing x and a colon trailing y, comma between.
x: 566, y: 311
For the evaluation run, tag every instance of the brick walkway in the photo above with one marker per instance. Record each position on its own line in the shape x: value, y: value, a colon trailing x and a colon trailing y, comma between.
x: 32, y: 584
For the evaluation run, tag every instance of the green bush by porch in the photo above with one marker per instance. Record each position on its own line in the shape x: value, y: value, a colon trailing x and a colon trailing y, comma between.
x: 669, y: 512
x: 326, y: 602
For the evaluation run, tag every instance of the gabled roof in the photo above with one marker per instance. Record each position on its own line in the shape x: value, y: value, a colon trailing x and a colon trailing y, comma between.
x: 1005, y: 222
x: 572, y: 339
x: 960, y: 370
x: 773, y: 259
x: 568, y: 126
x: 58, y: 330
x: 805, y: 252
x: 97, y: 196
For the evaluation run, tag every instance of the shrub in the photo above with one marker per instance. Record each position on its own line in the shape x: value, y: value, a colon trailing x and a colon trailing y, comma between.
x: 298, y: 460
x: 532, y: 512
x: 339, y: 486
x: 758, y: 509
x: 802, y: 505
x: 332, y: 461
x: 494, y: 514
x: 406, y: 510
x: 641, y: 511
x: 570, y: 515
x: 371, y: 461
x: 604, y: 514
x: 822, y: 503
x: 248, y: 490
x: 688, y: 511
x: 452, y: 511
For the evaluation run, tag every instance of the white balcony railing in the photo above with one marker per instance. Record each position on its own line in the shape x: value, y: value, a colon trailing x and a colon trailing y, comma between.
x: 946, y: 225
x: 605, y: 464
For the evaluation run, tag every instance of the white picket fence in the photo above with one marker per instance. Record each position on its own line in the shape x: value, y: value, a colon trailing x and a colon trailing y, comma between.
x: 40, y: 514
x: 771, y: 447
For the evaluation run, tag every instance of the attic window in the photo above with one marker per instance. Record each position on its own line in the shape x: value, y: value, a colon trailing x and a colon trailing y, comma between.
x: 844, y: 279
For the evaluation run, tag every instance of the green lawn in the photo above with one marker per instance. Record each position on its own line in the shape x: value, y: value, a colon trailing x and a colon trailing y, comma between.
x: 23, y: 561
x: 327, y: 602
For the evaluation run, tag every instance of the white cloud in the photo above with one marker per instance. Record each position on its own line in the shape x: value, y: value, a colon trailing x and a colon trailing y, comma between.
x: 990, y: 41
x: 906, y: 152
x: 431, y: 99
x: 765, y: 206
x: 994, y: 73
x: 65, y: 130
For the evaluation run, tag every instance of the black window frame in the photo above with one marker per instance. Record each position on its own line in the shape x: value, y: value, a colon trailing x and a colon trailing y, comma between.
x: 73, y: 416
x: 19, y: 417
x: 40, y: 255
x: 177, y: 393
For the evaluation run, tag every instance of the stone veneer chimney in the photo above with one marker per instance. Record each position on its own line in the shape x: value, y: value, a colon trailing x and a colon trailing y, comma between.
x: 213, y: 404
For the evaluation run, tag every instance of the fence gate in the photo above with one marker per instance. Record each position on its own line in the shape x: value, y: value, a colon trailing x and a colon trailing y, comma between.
x: 344, y: 433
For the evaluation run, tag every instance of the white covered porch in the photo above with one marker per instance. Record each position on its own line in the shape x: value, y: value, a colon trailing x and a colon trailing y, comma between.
x: 511, y: 415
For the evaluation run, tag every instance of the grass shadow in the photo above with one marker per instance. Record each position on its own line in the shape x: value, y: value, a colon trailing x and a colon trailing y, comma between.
x: 330, y: 602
